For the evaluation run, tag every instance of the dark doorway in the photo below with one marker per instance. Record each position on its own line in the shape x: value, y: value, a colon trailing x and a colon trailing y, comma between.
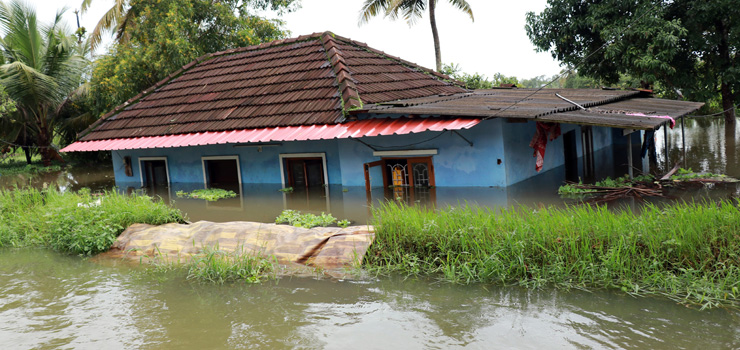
x: 304, y: 172
x: 587, y: 141
x: 154, y: 173
x: 221, y: 173
x: 570, y: 147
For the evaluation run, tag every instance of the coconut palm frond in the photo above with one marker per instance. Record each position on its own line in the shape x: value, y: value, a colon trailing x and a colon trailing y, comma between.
x: 85, y: 5
x: 372, y: 8
x: 109, y: 22
x: 463, y: 6
x: 27, y: 85
x: 127, y: 21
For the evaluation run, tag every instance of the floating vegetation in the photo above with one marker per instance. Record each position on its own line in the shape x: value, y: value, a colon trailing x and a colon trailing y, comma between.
x: 687, y: 252
x: 286, y: 190
x: 295, y: 218
x: 689, y: 175
x: 209, y: 194
x: 78, y: 223
x: 640, y: 186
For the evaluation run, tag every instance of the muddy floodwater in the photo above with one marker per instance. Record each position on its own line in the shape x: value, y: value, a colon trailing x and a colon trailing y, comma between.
x: 51, y: 301
x: 48, y: 301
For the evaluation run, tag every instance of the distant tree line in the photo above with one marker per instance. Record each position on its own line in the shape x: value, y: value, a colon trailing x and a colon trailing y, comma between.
x: 567, y: 79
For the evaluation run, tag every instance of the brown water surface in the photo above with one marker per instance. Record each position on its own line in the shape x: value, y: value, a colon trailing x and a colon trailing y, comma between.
x: 50, y: 301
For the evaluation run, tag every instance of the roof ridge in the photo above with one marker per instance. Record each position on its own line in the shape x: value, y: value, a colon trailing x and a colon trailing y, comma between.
x: 265, y: 45
x: 348, y: 93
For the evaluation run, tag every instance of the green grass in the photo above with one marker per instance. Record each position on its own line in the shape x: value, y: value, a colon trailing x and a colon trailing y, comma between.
x: 217, y: 267
x: 687, y: 252
x: 77, y: 223
x: 17, y: 167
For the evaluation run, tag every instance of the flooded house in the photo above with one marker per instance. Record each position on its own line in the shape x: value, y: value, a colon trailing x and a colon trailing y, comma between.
x: 320, y: 109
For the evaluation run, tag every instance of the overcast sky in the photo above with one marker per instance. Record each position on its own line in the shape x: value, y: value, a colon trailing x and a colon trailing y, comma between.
x: 495, y: 42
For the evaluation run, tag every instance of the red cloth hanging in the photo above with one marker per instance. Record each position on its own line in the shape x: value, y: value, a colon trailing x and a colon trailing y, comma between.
x: 544, y: 132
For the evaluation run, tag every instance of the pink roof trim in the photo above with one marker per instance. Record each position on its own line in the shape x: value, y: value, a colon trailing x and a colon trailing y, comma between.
x: 362, y: 128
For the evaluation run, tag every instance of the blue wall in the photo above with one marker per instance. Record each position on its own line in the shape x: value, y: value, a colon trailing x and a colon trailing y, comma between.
x: 520, y: 158
x: 185, y: 164
x: 456, y: 164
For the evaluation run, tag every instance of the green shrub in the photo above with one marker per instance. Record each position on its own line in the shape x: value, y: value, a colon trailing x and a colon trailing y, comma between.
x: 77, y: 223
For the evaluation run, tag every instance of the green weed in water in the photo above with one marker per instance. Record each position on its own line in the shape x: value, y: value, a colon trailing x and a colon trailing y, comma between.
x: 295, y: 218
x: 687, y: 251
x: 209, y: 194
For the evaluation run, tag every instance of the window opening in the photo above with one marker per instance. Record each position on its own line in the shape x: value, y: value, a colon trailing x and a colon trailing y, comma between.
x: 154, y: 173
x: 221, y: 173
x: 421, y: 175
x: 305, y: 172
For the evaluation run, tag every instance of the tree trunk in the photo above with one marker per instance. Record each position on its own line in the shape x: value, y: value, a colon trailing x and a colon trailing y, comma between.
x: 27, y: 151
x: 728, y: 102
x: 728, y: 97
x: 48, y: 153
x: 435, y: 35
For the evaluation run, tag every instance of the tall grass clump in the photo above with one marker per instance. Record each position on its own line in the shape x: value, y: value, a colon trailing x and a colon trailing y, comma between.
x: 687, y: 251
x: 218, y: 267
x: 77, y: 223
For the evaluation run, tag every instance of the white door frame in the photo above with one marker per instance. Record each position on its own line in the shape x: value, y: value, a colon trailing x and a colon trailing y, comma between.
x: 166, y: 168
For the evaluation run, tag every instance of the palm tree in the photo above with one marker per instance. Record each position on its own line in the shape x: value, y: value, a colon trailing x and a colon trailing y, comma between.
x: 40, y: 69
x: 411, y: 10
x: 117, y: 19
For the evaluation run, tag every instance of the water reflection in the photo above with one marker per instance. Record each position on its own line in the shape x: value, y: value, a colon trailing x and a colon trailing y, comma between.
x: 709, y: 147
x: 97, y: 178
x: 52, y: 301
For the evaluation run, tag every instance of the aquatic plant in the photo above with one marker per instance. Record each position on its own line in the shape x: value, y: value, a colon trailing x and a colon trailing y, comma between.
x: 78, y: 223
x: 286, y: 190
x: 209, y: 194
x: 295, y: 218
x: 686, y: 251
x: 689, y: 174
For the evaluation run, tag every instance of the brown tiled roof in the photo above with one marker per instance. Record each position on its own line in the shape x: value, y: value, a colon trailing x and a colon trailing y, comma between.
x: 611, y: 108
x: 312, y: 79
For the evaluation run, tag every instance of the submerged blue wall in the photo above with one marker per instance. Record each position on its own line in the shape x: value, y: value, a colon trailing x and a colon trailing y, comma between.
x: 500, y: 156
x: 520, y: 157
